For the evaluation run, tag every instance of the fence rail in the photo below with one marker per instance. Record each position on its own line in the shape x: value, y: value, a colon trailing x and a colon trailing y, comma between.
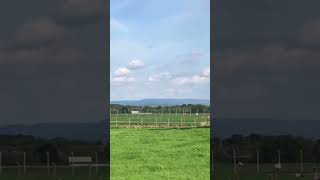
x: 130, y: 124
x: 158, y: 120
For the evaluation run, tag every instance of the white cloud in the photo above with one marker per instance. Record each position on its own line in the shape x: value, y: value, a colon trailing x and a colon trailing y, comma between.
x: 178, y: 91
x: 202, y: 78
x: 195, y: 79
x: 206, y: 72
x: 117, y: 25
x: 122, y: 71
x: 160, y: 76
x: 123, y: 79
x: 136, y: 64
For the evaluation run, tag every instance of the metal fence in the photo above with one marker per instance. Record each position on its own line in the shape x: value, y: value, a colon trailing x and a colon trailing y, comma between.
x: 250, y: 164
x: 159, y: 120
x: 18, y: 164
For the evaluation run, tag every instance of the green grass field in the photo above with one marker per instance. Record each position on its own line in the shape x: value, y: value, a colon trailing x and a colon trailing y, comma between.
x: 152, y: 154
x: 118, y: 120
x: 248, y: 172
x: 80, y: 173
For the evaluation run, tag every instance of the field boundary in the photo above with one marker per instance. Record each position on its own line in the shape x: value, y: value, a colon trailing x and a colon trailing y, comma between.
x: 159, y: 120
x: 129, y: 124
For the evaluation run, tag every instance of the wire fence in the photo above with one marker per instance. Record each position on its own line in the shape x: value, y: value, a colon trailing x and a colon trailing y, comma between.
x: 160, y: 120
x: 20, y: 165
x: 247, y: 164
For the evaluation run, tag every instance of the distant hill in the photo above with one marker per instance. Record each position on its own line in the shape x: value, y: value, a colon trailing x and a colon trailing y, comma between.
x: 161, y: 102
x: 225, y: 127
x: 222, y: 127
x: 94, y: 131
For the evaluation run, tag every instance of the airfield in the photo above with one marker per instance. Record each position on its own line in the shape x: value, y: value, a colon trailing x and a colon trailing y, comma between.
x: 160, y: 146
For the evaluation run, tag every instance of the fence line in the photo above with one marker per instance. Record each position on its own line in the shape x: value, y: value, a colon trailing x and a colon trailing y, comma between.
x: 157, y: 124
x: 252, y: 162
x: 157, y: 120
x: 23, y: 166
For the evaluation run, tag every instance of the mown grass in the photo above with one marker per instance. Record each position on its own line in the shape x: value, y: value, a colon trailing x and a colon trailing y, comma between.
x: 225, y: 172
x: 80, y: 173
x: 152, y: 154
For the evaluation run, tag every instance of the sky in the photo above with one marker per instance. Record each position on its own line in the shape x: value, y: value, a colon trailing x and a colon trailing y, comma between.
x: 52, y: 61
x: 159, y: 49
x: 267, y: 59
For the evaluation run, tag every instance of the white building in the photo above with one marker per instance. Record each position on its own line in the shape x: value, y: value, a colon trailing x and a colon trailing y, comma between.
x: 135, y: 112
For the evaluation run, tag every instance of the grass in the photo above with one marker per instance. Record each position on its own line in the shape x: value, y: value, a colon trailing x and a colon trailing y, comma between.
x: 225, y: 172
x: 80, y: 173
x: 152, y: 154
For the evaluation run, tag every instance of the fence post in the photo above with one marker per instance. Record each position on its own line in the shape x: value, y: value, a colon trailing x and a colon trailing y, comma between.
x: 194, y: 122
x: 301, y: 163
x: 24, y: 162
x: 116, y: 122
x: 258, y: 159
x: 117, y: 118
x: 129, y: 123
x: 54, y: 170
x: 168, y: 123
x: 72, y: 164
x: 48, y: 163
x: 96, y: 154
x: 0, y: 162
x: 234, y: 161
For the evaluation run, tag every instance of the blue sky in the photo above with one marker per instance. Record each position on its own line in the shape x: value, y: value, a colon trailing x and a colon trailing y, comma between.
x: 160, y: 49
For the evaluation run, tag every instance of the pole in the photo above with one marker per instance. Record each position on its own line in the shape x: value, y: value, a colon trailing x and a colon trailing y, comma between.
x: 117, y: 118
x: 258, y: 167
x: 279, y: 157
x: 0, y: 162
x: 129, y: 123
x: 72, y: 169
x: 301, y: 163
x: 24, y: 162
x: 54, y: 169
x: 18, y: 169
x: 48, y: 163
x: 234, y: 161
x: 176, y: 112
x: 96, y: 162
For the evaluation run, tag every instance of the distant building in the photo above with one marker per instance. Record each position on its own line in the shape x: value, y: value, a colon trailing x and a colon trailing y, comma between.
x: 135, y: 112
